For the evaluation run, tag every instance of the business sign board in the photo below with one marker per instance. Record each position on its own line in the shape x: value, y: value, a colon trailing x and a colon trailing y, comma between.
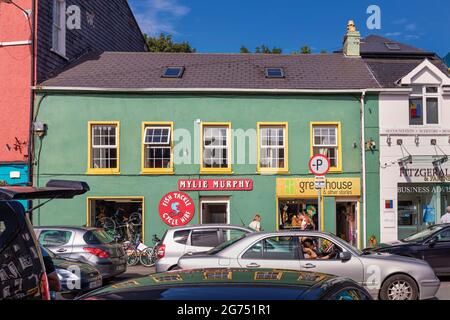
x: 176, y: 209
x: 215, y: 185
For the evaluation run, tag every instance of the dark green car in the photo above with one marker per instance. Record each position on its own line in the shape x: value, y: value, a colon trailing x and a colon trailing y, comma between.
x: 233, y: 284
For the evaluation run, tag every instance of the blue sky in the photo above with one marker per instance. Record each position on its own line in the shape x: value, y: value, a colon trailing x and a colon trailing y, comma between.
x: 225, y: 25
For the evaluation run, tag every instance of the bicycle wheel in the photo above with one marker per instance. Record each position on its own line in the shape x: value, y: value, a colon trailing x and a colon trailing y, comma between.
x: 135, y: 219
x: 132, y: 257
x: 109, y: 224
x: 148, y: 257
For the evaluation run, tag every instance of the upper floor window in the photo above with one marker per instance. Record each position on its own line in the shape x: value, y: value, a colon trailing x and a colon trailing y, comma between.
x: 216, y: 148
x: 158, y: 147
x: 59, y: 27
x: 103, y: 148
x: 273, y: 147
x: 326, y: 140
x: 424, y: 105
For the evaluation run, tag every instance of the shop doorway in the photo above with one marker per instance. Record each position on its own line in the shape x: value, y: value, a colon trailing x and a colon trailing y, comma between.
x: 297, y: 214
x: 122, y: 218
x: 347, y: 221
x: 214, y: 210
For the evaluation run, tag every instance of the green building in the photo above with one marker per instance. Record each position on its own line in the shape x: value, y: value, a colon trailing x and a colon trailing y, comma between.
x: 233, y: 132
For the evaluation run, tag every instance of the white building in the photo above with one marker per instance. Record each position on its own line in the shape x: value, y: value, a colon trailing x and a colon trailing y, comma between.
x: 414, y: 137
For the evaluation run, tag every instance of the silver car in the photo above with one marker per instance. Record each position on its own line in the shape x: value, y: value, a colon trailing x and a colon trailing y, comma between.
x: 89, y: 245
x: 385, y: 276
x: 191, y: 239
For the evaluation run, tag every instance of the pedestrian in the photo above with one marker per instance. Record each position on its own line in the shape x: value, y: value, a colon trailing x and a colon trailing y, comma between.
x: 256, y: 223
x: 53, y: 279
x: 446, y: 217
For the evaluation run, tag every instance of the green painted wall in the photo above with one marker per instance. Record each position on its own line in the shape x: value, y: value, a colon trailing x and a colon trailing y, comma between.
x: 372, y: 132
x: 63, y: 152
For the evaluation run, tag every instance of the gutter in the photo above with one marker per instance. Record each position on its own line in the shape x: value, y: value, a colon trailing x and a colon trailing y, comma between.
x: 218, y: 90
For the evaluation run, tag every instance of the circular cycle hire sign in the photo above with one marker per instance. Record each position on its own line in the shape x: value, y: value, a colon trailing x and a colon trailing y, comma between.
x: 176, y: 209
x: 319, y: 165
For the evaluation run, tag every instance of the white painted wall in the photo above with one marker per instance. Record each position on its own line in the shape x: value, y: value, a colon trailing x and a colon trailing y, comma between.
x: 394, y: 123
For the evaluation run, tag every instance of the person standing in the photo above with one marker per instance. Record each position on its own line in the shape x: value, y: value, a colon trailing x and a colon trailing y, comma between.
x: 256, y: 223
x: 446, y: 217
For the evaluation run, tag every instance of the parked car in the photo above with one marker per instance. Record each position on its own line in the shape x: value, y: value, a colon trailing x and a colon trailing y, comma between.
x: 233, y: 284
x: 76, y: 277
x: 88, y: 245
x: 22, y: 271
x: 388, y: 277
x: 431, y: 245
x: 193, y: 238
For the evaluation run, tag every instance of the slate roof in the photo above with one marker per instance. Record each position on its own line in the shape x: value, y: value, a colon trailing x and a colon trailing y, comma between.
x: 389, y: 71
x: 376, y: 45
x: 222, y: 71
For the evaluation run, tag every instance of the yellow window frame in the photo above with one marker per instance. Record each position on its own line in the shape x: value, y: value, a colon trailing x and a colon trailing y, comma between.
x: 313, y: 124
x: 229, y: 169
x: 284, y: 170
x: 103, y: 171
x: 157, y: 170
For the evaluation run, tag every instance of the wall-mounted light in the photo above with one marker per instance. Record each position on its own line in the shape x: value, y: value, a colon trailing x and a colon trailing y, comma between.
x: 399, y: 142
x: 371, y: 145
x: 417, y: 140
x: 389, y: 141
x: 440, y: 161
x: 404, y: 161
x: 40, y: 129
x: 433, y: 142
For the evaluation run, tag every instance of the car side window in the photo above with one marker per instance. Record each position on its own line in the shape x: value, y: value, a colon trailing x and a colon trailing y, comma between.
x: 444, y: 236
x: 230, y: 234
x: 205, y: 238
x: 318, y: 248
x: 54, y: 237
x: 275, y: 248
x: 181, y: 236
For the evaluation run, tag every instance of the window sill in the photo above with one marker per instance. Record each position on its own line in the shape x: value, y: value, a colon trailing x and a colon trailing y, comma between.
x: 157, y: 171
x: 62, y: 55
x: 335, y: 170
x: 103, y: 172
x: 227, y: 171
x: 272, y: 171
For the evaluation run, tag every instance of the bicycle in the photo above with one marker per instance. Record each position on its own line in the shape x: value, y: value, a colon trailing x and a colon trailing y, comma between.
x: 149, y: 255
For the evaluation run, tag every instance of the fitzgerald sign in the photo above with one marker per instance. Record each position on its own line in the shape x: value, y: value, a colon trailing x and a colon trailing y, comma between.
x: 215, y: 185
x: 305, y: 187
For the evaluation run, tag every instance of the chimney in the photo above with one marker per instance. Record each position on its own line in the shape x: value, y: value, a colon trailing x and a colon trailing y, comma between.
x: 352, y: 41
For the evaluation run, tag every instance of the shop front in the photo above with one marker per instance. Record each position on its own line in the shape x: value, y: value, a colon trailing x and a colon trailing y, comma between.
x: 337, y: 211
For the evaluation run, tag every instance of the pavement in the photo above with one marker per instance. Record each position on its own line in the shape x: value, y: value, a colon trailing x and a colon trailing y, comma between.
x: 141, y: 271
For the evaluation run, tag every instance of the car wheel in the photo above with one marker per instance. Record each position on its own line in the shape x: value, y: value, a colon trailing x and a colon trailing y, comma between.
x: 399, y: 287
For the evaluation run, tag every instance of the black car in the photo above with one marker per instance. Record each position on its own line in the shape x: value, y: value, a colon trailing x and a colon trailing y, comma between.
x: 76, y: 277
x: 431, y: 245
x: 22, y: 270
x: 233, y: 284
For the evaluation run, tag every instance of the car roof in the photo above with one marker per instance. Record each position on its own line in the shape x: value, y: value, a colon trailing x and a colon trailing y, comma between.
x: 302, y: 280
x: 209, y: 226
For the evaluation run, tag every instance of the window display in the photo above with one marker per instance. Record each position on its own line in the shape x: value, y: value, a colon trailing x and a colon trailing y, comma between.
x: 298, y: 214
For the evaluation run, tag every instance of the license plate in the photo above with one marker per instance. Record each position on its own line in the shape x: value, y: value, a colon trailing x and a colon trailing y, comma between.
x: 95, y: 284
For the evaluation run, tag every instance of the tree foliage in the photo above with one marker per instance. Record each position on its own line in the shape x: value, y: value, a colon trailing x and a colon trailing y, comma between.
x: 165, y: 43
x: 262, y: 49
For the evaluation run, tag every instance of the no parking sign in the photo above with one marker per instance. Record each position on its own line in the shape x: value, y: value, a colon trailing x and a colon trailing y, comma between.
x: 319, y: 165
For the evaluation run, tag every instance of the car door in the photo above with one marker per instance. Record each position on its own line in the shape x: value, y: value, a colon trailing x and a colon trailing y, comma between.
x: 203, y: 240
x: 272, y: 252
x: 437, y: 253
x: 60, y: 242
x: 333, y: 264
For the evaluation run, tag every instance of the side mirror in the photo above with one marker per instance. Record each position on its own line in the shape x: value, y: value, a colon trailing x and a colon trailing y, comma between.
x: 432, y: 242
x: 345, y: 256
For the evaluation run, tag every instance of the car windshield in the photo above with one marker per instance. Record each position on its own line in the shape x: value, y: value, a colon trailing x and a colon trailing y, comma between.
x: 225, y: 245
x: 98, y: 236
x: 422, y: 235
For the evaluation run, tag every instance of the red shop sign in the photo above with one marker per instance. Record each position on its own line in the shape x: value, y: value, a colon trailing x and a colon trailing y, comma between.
x: 215, y: 185
x: 176, y: 209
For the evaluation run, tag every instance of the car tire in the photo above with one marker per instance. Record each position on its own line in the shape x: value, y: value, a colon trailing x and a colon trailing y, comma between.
x: 399, y: 287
